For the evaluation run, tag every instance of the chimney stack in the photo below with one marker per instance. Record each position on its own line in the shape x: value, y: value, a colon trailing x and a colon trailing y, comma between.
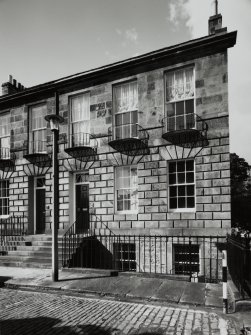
x: 11, y: 86
x: 215, y: 22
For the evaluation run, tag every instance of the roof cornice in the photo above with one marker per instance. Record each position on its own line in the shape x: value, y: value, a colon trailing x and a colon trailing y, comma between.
x: 192, y: 49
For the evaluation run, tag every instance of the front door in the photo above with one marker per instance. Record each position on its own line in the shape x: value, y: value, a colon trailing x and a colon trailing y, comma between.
x: 40, y: 205
x: 82, y: 207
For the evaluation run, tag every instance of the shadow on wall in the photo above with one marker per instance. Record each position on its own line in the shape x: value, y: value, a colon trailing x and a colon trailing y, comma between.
x: 51, y: 326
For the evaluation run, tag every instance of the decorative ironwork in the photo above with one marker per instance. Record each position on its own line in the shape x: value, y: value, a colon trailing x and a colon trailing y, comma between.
x: 174, y: 152
x: 82, y: 146
x: 35, y: 170
x: 191, y: 256
x: 73, y: 164
x: 36, y: 153
x: 7, y: 159
x: 129, y: 139
x: 188, y: 132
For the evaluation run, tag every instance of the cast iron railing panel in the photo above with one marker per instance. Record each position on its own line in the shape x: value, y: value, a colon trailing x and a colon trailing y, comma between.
x: 130, y: 139
x: 186, y: 130
x: 239, y: 262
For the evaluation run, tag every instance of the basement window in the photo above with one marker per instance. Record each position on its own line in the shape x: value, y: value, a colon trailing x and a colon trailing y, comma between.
x: 186, y: 259
x: 125, y: 256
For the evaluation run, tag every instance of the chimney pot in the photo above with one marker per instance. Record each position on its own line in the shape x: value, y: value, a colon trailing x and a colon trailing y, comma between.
x: 10, y: 78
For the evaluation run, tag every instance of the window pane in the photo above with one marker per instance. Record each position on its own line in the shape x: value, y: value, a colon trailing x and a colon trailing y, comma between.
x: 190, y: 190
x: 170, y: 109
x: 180, y: 108
x: 172, y: 178
x: 118, y: 119
x: 181, y: 166
x: 190, y: 202
x: 134, y: 117
x: 173, y: 203
x: 189, y: 106
x: 180, y: 125
x: 182, y: 202
x: 190, y: 177
x: 172, y: 167
x: 190, y: 121
x: 173, y: 191
x: 126, y: 118
x: 181, y: 178
x: 181, y: 190
x: 189, y: 165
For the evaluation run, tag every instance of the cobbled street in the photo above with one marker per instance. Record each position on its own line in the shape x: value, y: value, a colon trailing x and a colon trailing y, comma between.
x: 28, y: 313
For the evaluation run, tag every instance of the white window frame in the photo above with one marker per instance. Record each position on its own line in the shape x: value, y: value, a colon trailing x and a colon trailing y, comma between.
x: 175, y: 101
x: 131, y: 211
x: 184, y: 209
x: 86, y: 140
x: 5, y: 216
x: 124, y: 126
x: 34, y: 130
x: 5, y: 155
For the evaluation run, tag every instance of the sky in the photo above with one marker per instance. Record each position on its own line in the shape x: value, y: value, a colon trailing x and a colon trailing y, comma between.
x: 43, y: 40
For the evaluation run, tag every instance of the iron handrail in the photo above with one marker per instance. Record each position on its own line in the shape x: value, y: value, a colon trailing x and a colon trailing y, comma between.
x: 82, y: 139
x: 35, y: 147
x: 194, y: 121
x: 140, y: 132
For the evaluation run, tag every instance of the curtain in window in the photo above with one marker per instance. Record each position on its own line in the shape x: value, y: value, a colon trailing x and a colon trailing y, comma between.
x: 126, y: 114
x: 80, y: 119
x: 179, y: 85
x: 38, y: 129
x: 126, y: 97
x: 5, y: 135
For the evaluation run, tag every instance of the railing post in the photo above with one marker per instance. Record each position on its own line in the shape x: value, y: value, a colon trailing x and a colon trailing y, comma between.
x: 224, y: 280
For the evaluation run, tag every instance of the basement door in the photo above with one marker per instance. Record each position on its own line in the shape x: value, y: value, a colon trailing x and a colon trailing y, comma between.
x: 39, y: 205
x: 82, y: 207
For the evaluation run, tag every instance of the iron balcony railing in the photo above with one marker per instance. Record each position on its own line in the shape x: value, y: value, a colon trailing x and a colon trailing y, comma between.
x: 6, y: 154
x: 184, y: 122
x: 188, y: 130
x: 82, y: 140
x: 37, y: 147
x: 127, y: 131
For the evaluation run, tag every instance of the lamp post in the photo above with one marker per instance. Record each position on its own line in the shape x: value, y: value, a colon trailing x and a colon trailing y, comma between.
x: 54, y: 120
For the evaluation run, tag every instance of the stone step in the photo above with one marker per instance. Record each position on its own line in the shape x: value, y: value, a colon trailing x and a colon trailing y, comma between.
x: 26, y: 265
x: 32, y: 252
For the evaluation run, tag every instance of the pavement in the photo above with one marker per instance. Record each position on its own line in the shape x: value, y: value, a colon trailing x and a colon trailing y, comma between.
x: 127, y: 288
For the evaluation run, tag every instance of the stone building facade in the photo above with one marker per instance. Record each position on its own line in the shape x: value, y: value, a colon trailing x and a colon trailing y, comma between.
x: 143, y: 148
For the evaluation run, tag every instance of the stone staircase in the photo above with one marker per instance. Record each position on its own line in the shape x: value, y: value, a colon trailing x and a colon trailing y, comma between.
x: 29, y: 251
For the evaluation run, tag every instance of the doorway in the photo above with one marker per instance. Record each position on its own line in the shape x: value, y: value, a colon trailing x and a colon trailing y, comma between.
x: 39, y: 202
x: 81, y: 203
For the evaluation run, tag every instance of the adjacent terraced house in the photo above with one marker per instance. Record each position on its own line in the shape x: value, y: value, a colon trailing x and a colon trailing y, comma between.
x: 144, y: 163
